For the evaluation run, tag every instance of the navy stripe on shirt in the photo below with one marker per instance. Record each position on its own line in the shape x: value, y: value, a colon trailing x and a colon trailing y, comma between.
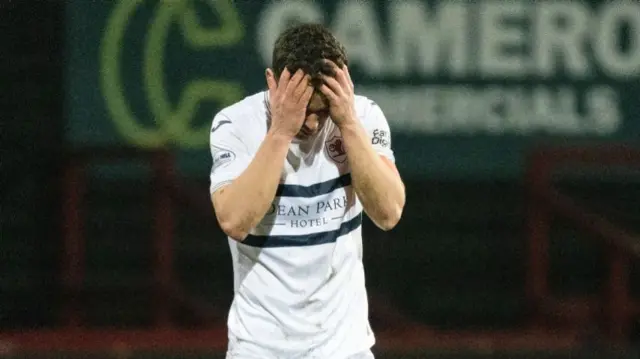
x: 301, y: 240
x: 317, y: 189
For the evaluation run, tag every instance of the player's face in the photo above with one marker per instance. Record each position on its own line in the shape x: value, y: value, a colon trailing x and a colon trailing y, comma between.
x: 317, y: 114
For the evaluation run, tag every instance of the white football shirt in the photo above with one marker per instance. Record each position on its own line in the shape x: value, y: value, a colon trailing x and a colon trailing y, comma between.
x: 299, y: 287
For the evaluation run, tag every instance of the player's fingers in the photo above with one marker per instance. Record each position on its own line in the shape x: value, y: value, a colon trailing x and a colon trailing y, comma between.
x: 302, y: 85
x: 342, y: 79
x: 328, y: 92
x: 339, y: 74
x: 333, y: 84
x: 306, y: 95
x: 285, y: 76
x: 346, y: 72
x: 295, y: 81
x: 271, y: 82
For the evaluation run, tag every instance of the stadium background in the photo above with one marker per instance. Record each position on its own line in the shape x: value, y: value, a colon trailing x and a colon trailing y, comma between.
x: 515, y: 126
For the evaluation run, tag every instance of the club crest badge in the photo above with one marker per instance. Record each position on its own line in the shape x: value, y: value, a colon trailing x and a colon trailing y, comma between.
x: 335, y: 149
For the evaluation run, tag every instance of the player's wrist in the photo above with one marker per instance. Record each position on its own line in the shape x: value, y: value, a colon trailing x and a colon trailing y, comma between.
x: 348, y: 121
x: 349, y: 125
x: 280, y: 137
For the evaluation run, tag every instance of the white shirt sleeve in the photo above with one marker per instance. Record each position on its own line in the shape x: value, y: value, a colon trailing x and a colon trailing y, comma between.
x: 377, y: 127
x: 229, y: 153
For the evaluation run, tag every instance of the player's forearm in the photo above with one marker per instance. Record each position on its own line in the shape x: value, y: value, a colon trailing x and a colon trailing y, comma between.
x: 242, y: 204
x: 378, y: 186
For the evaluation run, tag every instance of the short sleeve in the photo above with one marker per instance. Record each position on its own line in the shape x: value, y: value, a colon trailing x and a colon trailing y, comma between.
x: 229, y: 152
x: 378, y: 130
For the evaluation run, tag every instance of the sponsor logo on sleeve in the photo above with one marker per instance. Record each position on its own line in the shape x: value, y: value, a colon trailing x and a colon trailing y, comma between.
x: 380, y: 138
x: 222, y: 156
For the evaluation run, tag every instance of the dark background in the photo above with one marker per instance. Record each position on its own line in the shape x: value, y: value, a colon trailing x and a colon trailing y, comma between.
x: 32, y: 157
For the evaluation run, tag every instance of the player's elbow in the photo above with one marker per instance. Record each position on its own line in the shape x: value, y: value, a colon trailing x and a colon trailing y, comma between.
x: 231, y: 226
x: 233, y: 229
x: 228, y: 220
x: 390, y: 218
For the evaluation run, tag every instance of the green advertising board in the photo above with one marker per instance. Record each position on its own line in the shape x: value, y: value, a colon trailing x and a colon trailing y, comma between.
x: 468, y: 87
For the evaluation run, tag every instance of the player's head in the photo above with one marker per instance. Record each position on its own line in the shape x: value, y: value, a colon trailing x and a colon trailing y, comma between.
x: 306, y: 47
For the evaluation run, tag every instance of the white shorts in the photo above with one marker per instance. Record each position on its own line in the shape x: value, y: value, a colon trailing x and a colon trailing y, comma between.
x: 363, y: 355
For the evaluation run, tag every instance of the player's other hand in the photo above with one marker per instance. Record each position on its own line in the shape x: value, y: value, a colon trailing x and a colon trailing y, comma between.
x: 339, y: 91
x: 288, y: 100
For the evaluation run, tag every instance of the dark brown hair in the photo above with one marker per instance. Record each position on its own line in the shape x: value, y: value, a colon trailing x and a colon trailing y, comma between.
x: 305, y: 47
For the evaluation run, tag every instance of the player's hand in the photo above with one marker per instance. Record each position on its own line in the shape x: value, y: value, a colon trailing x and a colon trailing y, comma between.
x: 288, y: 100
x: 339, y: 91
